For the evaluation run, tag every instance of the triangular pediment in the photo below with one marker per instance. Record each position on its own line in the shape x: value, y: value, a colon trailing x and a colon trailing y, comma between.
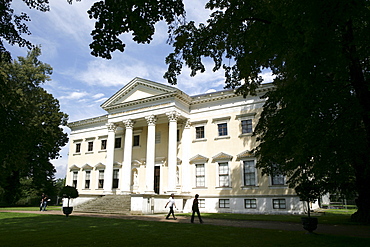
x: 198, y: 159
x: 245, y: 154
x: 222, y: 157
x: 136, y: 90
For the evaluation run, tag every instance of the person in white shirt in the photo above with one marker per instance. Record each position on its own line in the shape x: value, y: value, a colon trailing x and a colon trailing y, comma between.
x: 171, y: 204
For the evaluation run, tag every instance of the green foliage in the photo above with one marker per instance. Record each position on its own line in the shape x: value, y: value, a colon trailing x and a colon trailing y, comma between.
x: 31, y: 123
x: 68, y: 192
x: 316, y: 122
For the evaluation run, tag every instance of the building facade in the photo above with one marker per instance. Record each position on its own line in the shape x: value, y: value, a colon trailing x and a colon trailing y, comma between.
x: 156, y: 140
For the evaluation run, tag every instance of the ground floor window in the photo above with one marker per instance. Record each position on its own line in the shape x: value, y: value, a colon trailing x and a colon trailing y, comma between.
x: 279, y: 203
x: 201, y: 203
x: 75, y: 176
x: 115, y: 178
x: 250, y: 203
x: 87, y: 179
x: 101, y: 179
x: 224, y: 203
x: 200, y: 175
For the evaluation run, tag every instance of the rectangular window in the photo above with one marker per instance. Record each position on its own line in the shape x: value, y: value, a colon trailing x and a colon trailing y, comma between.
x: 90, y: 146
x: 250, y: 203
x: 115, y: 178
x: 87, y: 179
x: 279, y: 203
x: 117, y: 142
x: 246, y: 126
x: 224, y: 203
x: 178, y: 135
x: 199, y: 132
x: 249, y: 173
x: 101, y: 179
x: 136, y: 141
x: 276, y: 178
x: 201, y: 203
x: 200, y: 175
x: 103, y: 144
x: 157, y: 137
x: 75, y: 176
x: 223, y: 173
x: 222, y: 129
x: 78, y: 147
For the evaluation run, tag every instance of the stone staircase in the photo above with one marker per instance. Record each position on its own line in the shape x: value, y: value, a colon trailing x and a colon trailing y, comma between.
x: 109, y: 204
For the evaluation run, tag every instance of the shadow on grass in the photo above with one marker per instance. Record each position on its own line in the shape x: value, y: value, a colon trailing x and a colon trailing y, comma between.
x: 23, y: 229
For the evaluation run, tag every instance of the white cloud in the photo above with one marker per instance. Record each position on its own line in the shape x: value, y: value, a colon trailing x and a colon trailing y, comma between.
x: 97, y: 96
x: 74, y: 95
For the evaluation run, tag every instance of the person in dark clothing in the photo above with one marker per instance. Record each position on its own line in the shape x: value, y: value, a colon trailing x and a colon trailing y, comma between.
x: 195, y: 208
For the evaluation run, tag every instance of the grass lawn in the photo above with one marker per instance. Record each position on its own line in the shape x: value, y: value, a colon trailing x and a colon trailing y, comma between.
x: 27, y: 229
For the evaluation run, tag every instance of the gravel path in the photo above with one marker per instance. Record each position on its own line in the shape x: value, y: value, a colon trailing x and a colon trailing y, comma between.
x: 347, y: 230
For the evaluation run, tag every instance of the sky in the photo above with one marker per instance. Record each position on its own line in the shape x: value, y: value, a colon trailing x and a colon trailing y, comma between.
x: 82, y: 82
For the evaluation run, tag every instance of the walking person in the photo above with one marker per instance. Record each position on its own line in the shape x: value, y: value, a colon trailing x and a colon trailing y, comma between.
x: 42, y: 202
x: 171, y: 204
x: 195, y: 208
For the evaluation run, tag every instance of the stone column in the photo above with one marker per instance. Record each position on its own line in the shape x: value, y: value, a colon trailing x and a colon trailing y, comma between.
x: 108, y: 173
x: 150, y: 154
x: 172, y: 150
x: 185, y: 143
x: 127, y: 158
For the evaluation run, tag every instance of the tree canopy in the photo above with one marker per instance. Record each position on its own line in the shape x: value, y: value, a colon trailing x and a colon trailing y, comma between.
x: 316, y: 122
x: 31, y: 120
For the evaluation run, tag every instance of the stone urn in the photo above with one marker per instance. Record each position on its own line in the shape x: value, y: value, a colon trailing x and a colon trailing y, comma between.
x: 309, y: 223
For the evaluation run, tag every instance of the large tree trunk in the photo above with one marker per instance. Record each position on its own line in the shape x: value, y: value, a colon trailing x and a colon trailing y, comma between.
x: 361, y: 88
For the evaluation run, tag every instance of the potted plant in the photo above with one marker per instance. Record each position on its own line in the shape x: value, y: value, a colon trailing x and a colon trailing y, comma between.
x: 308, y: 191
x: 68, y: 192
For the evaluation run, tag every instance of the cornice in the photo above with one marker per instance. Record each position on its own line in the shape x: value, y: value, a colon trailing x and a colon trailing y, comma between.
x: 94, y: 120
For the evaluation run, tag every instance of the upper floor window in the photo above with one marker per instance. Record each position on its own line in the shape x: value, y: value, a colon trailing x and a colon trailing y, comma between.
x: 90, y: 146
x: 136, y: 141
x: 222, y: 129
x: 199, y: 132
x: 117, y: 142
x: 249, y: 171
x: 103, y: 144
x: 246, y: 126
x: 78, y: 147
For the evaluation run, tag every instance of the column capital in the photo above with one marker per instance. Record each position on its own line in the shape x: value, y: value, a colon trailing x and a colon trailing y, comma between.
x: 111, y: 127
x: 128, y: 123
x: 151, y: 119
x: 173, y: 116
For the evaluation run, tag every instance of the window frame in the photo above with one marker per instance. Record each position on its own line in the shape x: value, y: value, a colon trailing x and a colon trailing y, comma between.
x: 118, y: 142
x: 115, y: 179
x: 87, y: 179
x: 279, y: 204
x: 251, y: 172
x: 250, y: 203
x: 223, y: 174
x: 100, y: 179
x: 201, y: 175
x: 224, y: 203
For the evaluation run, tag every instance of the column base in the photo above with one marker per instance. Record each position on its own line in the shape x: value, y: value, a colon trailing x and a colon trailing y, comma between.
x: 149, y: 192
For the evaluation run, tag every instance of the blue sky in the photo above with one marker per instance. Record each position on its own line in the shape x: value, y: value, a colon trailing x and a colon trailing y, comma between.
x: 82, y: 82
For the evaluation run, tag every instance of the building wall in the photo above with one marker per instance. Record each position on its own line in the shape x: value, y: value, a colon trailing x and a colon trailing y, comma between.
x: 232, y: 149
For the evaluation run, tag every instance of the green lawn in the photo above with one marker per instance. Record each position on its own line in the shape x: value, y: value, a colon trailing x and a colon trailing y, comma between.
x: 27, y: 229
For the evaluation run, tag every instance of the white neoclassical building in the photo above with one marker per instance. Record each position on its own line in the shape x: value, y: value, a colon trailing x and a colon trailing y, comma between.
x: 156, y: 140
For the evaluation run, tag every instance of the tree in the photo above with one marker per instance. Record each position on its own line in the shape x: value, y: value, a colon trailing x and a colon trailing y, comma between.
x: 317, y: 119
x: 31, y: 123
